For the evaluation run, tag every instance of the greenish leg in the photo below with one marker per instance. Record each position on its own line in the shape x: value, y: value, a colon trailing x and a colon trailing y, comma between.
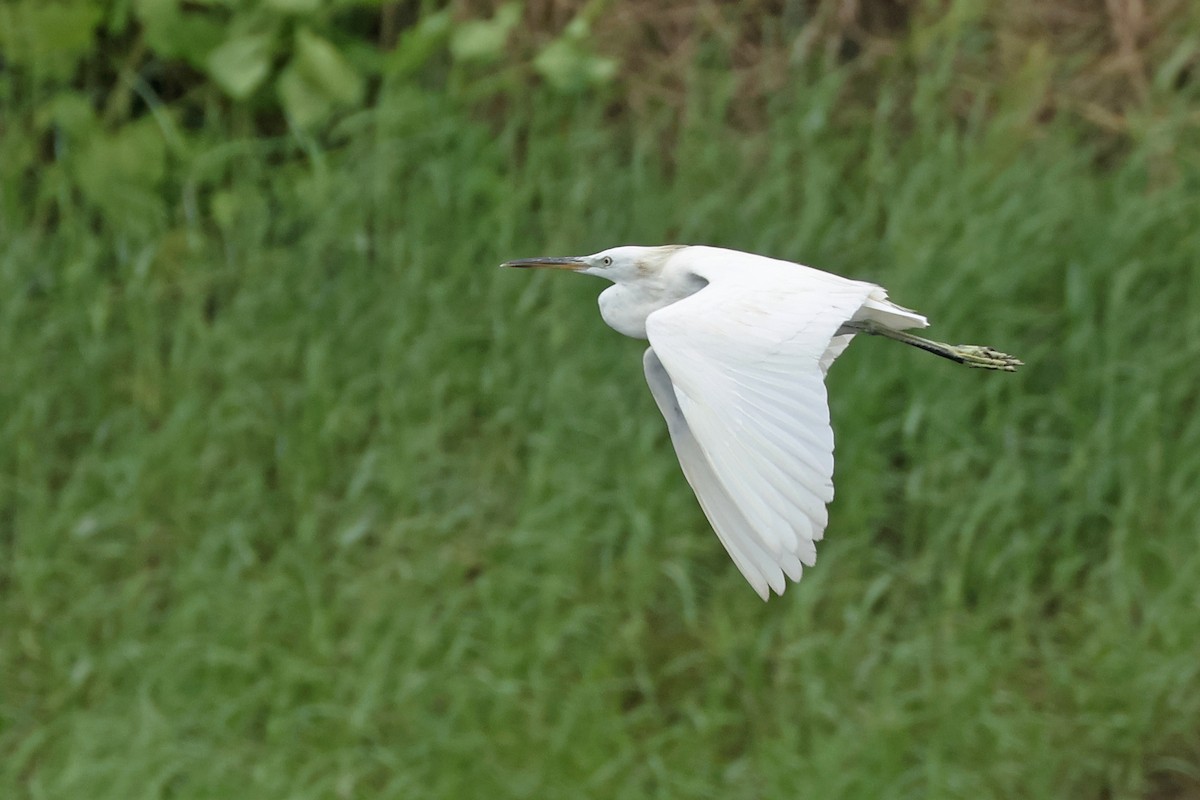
x: 972, y: 355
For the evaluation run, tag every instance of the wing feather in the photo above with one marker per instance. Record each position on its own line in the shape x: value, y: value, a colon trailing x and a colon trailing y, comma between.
x: 741, y: 542
x: 745, y: 360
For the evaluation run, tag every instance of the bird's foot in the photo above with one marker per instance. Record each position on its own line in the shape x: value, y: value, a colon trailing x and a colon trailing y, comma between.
x: 981, y: 357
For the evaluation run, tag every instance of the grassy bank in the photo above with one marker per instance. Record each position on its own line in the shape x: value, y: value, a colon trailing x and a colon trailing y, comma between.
x: 301, y: 497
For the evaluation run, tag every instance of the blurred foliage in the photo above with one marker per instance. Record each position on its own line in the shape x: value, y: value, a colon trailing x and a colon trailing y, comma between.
x: 299, y: 497
x: 123, y: 104
x: 306, y: 499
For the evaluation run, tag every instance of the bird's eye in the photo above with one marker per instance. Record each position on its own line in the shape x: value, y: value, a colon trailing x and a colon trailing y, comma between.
x: 606, y: 261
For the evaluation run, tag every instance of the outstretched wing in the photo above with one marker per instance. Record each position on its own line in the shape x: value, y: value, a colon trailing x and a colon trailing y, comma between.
x: 738, y: 371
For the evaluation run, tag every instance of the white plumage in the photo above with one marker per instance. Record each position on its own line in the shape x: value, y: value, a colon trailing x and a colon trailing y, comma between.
x: 739, y: 348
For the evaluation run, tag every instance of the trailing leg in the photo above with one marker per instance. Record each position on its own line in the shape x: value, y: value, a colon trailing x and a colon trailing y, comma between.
x: 971, y: 355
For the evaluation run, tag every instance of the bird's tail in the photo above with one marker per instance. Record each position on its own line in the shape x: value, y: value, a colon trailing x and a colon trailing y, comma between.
x: 878, y: 308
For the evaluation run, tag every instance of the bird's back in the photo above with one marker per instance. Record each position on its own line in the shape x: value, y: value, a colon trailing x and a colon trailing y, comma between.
x: 733, y: 268
x: 719, y: 264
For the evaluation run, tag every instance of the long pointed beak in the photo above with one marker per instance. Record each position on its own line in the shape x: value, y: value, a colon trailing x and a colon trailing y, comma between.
x: 552, y: 262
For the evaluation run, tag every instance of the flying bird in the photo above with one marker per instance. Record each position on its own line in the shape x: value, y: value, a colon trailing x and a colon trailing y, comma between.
x: 739, y: 347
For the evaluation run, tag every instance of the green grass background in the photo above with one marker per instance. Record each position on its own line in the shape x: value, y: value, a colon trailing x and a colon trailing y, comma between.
x: 302, y: 497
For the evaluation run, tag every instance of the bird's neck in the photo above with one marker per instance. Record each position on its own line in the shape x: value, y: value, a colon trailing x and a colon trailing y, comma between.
x: 625, y: 309
x: 625, y: 306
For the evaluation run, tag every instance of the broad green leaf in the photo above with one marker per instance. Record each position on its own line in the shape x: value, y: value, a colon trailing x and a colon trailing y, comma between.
x: 50, y: 38
x: 71, y: 112
x: 120, y: 173
x: 568, y: 67
x: 231, y: 208
x: 568, y: 64
x: 320, y: 63
x: 172, y: 32
x: 483, y: 40
x: 135, y: 153
x: 240, y: 65
x: 363, y: 55
x: 418, y: 44
x: 305, y: 103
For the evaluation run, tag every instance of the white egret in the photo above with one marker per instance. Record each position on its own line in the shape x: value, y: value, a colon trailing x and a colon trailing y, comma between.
x: 739, y: 347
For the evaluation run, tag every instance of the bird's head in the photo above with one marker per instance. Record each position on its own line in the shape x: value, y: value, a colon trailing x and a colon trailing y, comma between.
x: 617, y: 264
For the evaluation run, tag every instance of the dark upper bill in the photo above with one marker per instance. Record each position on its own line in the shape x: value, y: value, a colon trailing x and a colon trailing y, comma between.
x: 549, y: 262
